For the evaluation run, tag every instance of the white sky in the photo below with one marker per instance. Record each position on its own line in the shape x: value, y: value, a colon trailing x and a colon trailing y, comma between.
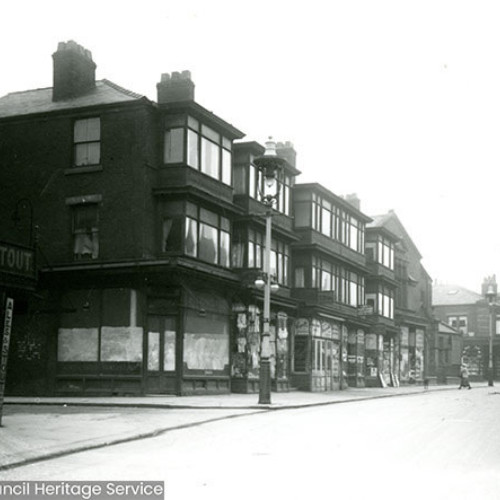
x: 397, y: 101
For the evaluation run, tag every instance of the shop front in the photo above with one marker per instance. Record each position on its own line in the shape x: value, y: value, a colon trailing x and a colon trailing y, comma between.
x: 22, y: 369
x: 247, y: 328
x: 319, y: 353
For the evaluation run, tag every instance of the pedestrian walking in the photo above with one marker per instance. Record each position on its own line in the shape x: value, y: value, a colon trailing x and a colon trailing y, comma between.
x: 464, y: 378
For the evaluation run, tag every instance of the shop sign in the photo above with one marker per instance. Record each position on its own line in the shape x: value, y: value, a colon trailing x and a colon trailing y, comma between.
x: 371, y: 341
x: 316, y: 328
x: 302, y: 326
x: 360, y: 337
x: 326, y: 329
x: 365, y: 310
x: 404, y: 335
x: 7, y: 327
x: 336, y: 330
x: 17, y: 260
x: 419, y: 338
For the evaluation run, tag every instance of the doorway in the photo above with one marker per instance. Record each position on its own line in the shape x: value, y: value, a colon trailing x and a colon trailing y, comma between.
x: 161, y: 355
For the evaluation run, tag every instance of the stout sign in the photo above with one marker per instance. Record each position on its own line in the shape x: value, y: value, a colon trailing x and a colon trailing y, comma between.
x: 17, y: 260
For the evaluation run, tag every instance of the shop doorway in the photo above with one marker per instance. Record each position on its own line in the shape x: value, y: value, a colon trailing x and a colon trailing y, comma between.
x: 161, y: 355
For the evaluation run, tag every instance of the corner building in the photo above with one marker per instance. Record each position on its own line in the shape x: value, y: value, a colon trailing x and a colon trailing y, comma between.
x: 150, y: 242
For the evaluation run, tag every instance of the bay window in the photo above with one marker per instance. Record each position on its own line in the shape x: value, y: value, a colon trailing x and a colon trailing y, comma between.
x: 200, y: 147
x: 382, y: 302
x: 207, y: 236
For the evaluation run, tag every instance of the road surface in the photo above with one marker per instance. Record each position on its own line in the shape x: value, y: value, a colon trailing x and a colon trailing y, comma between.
x: 435, y: 445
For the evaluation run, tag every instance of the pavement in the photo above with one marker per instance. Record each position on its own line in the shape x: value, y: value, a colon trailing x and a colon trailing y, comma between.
x: 36, y: 429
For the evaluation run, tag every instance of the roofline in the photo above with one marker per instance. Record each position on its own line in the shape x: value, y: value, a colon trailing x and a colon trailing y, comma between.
x: 205, y: 113
x: 339, y: 199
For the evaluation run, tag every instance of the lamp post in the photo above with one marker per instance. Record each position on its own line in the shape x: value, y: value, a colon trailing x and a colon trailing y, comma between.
x: 270, y: 166
x: 490, y: 287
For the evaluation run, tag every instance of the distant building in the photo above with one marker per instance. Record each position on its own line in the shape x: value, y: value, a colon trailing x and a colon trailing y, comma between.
x: 413, y: 317
x: 469, y: 313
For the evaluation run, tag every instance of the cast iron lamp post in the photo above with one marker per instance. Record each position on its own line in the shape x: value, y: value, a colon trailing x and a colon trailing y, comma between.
x: 270, y: 165
x: 491, y: 295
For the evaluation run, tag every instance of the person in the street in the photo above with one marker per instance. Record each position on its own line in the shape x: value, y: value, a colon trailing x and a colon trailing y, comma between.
x: 464, y: 378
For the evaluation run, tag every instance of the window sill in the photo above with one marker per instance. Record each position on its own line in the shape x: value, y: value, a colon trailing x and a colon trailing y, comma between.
x: 83, y: 170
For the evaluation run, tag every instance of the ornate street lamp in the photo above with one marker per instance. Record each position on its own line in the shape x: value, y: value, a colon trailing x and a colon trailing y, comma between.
x: 490, y: 285
x: 271, y: 166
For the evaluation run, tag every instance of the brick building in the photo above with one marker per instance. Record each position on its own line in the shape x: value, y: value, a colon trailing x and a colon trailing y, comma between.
x: 406, y: 352
x: 150, y: 241
x: 469, y: 313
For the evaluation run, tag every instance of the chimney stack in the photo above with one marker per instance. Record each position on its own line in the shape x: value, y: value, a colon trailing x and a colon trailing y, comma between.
x: 74, y: 71
x: 353, y: 200
x: 175, y: 88
x: 286, y: 150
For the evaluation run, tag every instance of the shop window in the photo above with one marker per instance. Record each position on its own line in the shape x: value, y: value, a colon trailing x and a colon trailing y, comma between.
x: 85, y: 231
x: 300, y: 354
x: 87, y: 142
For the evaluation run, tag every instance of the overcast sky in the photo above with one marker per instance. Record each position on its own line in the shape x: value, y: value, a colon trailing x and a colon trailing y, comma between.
x: 396, y: 101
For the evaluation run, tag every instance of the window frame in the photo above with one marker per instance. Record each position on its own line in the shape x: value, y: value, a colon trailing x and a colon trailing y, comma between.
x: 92, y: 231
x: 86, y: 141
x: 201, y: 142
x: 197, y: 216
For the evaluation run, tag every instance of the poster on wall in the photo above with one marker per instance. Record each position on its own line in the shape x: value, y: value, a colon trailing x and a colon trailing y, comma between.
x: 77, y: 344
x: 206, y: 351
x: 121, y: 343
x: 301, y: 326
x: 371, y: 341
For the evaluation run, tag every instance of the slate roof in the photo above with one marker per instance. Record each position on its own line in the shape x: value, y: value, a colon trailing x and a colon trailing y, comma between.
x: 391, y: 222
x: 40, y: 100
x: 449, y: 295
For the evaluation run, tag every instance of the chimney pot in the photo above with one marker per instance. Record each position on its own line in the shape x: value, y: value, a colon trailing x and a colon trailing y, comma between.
x: 353, y: 200
x: 175, y: 87
x: 74, y: 71
x: 287, y: 151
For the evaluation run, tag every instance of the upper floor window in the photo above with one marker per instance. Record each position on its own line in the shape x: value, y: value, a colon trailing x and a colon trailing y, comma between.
x: 207, y: 236
x: 382, y: 302
x: 334, y: 223
x: 85, y: 231
x: 459, y: 323
x: 385, y: 252
x: 87, y: 142
x: 200, y: 147
x: 255, y: 249
x: 280, y: 254
x: 348, y: 287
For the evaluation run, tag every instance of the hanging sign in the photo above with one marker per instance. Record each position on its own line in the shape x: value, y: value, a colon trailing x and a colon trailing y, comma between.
x: 17, y: 260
